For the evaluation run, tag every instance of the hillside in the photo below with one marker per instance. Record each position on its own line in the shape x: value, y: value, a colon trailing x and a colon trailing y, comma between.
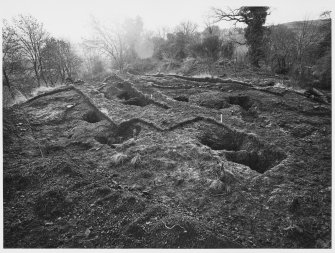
x: 297, y: 24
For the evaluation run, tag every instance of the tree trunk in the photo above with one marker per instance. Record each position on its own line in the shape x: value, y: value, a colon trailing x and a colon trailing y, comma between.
x: 6, y: 78
x: 42, y: 74
x: 7, y: 83
x: 37, y: 74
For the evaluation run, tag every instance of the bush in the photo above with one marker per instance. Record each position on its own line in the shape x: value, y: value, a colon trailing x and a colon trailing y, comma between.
x: 140, y: 66
x: 209, y: 47
x: 322, y: 71
x: 227, y: 50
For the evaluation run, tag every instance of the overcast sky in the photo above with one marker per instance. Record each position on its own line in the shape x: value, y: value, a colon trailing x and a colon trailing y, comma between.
x: 70, y: 19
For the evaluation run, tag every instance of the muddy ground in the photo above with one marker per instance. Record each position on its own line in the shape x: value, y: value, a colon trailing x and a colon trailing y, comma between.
x: 167, y: 162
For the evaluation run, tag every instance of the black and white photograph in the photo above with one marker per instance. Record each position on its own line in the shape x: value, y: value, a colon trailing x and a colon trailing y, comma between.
x: 176, y: 124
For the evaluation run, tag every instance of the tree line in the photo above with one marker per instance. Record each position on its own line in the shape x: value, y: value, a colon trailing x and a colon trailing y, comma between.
x: 30, y: 54
x: 303, y: 51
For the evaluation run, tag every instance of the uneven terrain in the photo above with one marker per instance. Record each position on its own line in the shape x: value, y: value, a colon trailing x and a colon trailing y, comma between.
x: 166, y: 161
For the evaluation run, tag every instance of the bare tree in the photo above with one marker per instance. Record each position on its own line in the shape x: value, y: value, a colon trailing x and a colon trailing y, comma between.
x: 93, y: 62
x: 32, y: 38
x: 162, y: 32
x: 110, y: 41
x: 69, y: 60
x: 59, y: 60
x: 211, y: 28
x: 280, y: 48
x: 187, y: 28
x: 11, y: 57
x: 307, y: 37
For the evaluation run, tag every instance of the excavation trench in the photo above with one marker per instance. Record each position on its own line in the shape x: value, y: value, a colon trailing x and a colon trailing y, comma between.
x: 181, y: 99
x: 138, y: 100
x: 122, y: 133
x: 219, y: 101
x: 242, y: 148
x: 130, y: 96
x: 243, y: 101
x: 238, y: 147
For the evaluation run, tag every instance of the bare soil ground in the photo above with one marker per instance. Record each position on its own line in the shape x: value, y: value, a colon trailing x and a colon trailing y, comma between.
x: 147, y: 162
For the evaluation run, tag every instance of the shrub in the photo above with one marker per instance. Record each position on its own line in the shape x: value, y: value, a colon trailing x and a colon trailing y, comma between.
x: 322, y: 71
x: 227, y: 50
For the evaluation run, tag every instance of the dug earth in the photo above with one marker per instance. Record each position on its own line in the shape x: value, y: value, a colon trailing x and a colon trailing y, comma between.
x: 162, y: 161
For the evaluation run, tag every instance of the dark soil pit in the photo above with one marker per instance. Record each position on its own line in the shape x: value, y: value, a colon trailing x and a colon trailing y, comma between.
x: 125, y: 95
x: 243, y: 101
x: 260, y: 161
x: 142, y: 102
x: 123, y: 85
x: 133, y: 97
x: 138, y: 101
x: 125, y: 131
x: 102, y: 139
x: 92, y: 117
x: 111, y: 92
x: 108, y: 139
x: 181, y: 98
x: 221, y: 139
x: 243, y: 148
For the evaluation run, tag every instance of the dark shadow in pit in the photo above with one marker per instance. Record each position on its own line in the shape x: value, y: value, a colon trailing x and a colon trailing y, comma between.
x: 127, y: 130
x: 243, y: 101
x: 260, y: 161
x: 242, y: 148
x: 124, y: 95
x: 221, y: 140
x: 92, y: 116
x: 130, y: 96
x: 216, y: 104
x: 122, y: 133
x: 138, y: 100
x: 181, y: 99
x: 101, y: 139
x: 249, y: 112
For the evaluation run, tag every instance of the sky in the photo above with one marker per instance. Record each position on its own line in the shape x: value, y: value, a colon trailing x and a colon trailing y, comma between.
x: 71, y: 19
